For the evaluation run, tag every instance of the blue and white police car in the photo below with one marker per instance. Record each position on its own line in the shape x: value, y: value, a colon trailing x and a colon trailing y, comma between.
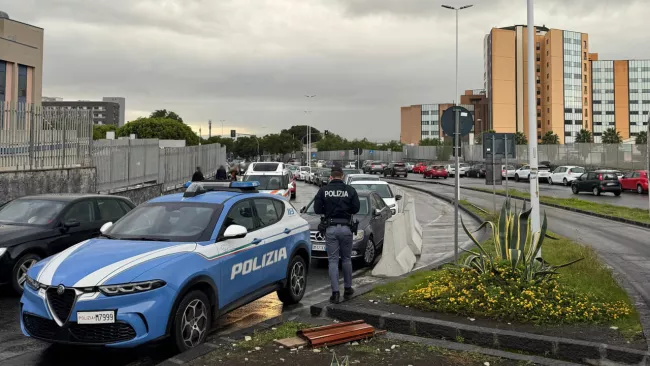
x: 169, y: 267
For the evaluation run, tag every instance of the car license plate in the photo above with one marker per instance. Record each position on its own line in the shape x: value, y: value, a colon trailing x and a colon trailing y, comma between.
x: 96, y: 317
x: 318, y: 247
x: 611, y: 184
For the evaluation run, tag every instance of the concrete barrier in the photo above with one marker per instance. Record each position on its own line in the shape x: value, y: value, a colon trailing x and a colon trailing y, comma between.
x: 413, y: 228
x: 397, y: 258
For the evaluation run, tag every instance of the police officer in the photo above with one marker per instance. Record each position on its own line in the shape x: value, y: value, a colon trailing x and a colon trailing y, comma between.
x: 337, y: 202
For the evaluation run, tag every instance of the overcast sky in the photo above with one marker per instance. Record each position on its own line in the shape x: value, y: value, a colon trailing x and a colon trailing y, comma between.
x: 250, y: 62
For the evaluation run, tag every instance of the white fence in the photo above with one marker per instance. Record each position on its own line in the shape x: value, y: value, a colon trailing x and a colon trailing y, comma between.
x: 128, y: 163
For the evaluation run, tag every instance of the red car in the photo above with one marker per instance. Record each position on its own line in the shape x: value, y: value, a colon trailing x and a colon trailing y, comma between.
x: 635, y: 181
x: 419, y: 168
x: 436, y: 171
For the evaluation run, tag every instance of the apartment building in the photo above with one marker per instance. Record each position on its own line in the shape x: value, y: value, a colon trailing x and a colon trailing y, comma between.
x: 21, y: 61
x: 104, y: 113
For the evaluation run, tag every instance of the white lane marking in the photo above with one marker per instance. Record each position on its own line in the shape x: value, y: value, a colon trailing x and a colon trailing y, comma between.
x: 47, y: 273
x: 104, y: 274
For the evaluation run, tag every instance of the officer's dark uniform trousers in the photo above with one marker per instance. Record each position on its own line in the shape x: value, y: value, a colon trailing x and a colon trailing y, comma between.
x: 338, y: 202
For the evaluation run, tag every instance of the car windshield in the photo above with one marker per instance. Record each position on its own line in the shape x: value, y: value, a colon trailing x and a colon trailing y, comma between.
x: 267, y: 182
x: 325, y: 172
x: 352, y: 179
x: 363, y: 208
x: 577, y: 170
x: 304, y: 168
x: 544, y: 168
x: 610, y: 176
x: 400, y: 164
x: 168, y: 221
x: 30, y: 212
x: 382, y: 189
x: 351, y: 171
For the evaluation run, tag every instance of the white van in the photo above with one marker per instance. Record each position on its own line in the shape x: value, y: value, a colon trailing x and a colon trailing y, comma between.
x: 274, y: 178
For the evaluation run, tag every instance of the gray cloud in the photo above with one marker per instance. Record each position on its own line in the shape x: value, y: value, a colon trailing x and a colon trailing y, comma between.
x: 251, y: 61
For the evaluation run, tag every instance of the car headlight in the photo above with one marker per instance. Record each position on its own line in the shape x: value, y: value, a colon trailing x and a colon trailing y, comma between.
x: 33, y: 284
x: 359, y: 235
x: 131, y: 288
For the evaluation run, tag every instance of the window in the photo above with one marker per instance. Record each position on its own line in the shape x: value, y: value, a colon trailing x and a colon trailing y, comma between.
x: 585, y: 68
x: 548, y: 99
x: 279, y: 208
x: 547, y: 87
x: 585, y: 78
x: 586, y: 102
x: 568, y: 110
x: 539, y: 102
x: 585, y: 90
x: 538, y: 46
x: 241, y: 213
x: 266, y: 212
x: 634, y: 112
x: 3, y: 81
x: 538, y: 68
x: 586, y: 113
x: 584, y: 44
x: 538, y: 57
x: 425, y: 113
x: 109, y: 209
x: 539, y: 92
x: 30, y: 212
x: 609, y: 113
x: 547, y: 75
x: 568, y: 122
x: 539, y: 113
x: 22, y: 83
x: 585, y: 56
x: 81, y: 211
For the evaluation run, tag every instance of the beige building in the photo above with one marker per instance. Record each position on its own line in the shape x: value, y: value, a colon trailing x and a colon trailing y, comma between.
x: 21, y: 61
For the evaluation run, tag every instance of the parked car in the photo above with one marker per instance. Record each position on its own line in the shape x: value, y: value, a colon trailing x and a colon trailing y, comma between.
x: 35, y: 227
x: 419, y: 168
x: 349, y: 171
x: 543, y: 173
x: 396, y: 169
x: 476, y: 171
x: 508, y: 173
x: 304, y: 172
x: 382, y: 188
x: 565, y: 174
x: 322, y: 177
x: 597, y: 182
x: 410, y: 166
x: 375, y: 167
x: 349, y: 178
x: 462, y: 168
x: 436, y: 171
x: 635, y: 181
x: 369, y: 238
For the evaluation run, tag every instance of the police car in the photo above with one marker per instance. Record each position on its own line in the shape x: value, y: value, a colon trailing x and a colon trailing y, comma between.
x: 274, y: 178
x: 168, y: 268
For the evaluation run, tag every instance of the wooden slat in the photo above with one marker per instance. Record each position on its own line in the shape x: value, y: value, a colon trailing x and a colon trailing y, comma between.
x: 292, y: 342
x: 337, y: 333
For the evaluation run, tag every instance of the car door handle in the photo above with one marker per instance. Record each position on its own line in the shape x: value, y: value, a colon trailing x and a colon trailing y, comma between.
x: 287, y: 231
x: 256, y: 241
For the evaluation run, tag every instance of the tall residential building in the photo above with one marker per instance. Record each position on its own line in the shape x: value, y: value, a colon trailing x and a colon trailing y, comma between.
x: 104, y: 113
x: 21, y: 61
x: 122, y: 102
x: 562, y: 78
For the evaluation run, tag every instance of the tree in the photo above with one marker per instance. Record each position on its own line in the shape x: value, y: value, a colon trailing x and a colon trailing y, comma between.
x: 479, y: 139
x: 641, y: 138
x: 299, y: 132
x: 279, y: 143
x: 159, y: 128
x: 393, y: 145
x: 99, y: 131
x: 163, y: 113
x: 584, y: 137
x: 612, y: 136
x: 332, y: 142
x: 430, y: 142
x: 550, y: 138
x: 520, y: 138
x: 224, y: 141
x: 247, y: 147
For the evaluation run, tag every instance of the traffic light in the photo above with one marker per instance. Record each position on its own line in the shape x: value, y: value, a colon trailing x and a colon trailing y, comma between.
x: 233, y: 133
x: 327, y: 132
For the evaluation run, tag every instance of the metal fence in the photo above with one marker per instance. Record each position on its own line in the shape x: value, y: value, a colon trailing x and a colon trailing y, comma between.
x: 624, y: 156
x: 33, y: 137
x: 365, y: 155
x: 129, y: 163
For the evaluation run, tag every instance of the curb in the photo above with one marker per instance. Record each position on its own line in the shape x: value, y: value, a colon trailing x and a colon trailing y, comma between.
x: 561, y: 348
x: 588, y: 213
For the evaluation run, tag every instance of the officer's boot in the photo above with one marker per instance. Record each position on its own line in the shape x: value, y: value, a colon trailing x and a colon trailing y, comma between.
x: 335, y: 298
x: 348, y: 293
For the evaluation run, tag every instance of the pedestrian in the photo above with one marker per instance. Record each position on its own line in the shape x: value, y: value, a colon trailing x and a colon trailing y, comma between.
x: 197, y: 176
x: 337, y: 203
x: 221, y: 173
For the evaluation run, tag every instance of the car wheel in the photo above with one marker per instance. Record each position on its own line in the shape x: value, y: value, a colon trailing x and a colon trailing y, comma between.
x: 296, y: 282
x: 565, y: 182
x: 617, y: 193
x: 529, y: 177
x: 406, y: 175
x: 192, y: 321
x: 19, y: 273
x: 516, y: 177
x: 574, y: 189
x: 550, y: 181
x: 639, y: 189
x: 595, y: 191
x: 370, y: 254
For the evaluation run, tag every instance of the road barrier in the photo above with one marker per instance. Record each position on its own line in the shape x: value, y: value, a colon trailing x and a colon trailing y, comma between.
x: 413, y: 228
x: 397, y: 257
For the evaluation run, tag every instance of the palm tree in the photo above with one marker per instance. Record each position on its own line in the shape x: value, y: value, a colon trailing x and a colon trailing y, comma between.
x: 550, y: 138
x: 520, y: 138
x: 641, y: 138
x: 585, y: 137
x: 612, y: 136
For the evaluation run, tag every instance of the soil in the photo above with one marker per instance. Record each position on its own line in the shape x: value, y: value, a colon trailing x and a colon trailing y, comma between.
x: 372, y: 352
x: 586, y: 332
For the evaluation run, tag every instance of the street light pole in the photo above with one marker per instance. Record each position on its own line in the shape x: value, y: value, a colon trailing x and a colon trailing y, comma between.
x: 309, y: 97
x: 535, y: 216
x: 456, y: 138
x: 222, y: 121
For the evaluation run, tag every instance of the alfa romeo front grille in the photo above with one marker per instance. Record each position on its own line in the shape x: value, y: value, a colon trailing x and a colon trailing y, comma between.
x: 61, y: 304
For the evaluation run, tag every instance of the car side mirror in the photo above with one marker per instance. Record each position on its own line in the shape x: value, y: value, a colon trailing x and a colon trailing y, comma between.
x: 71, y: 223
x: 303, y: 209
x: 105, y: 227
x: 235, y: 232
x: 378, y: 212
x: 398, y: 197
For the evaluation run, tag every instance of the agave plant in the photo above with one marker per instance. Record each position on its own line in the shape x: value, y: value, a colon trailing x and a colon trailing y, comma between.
x: 519, y: 251
x: 335, y: 361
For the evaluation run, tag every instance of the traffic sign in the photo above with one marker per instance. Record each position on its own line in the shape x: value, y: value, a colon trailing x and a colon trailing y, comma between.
x: 371, y: 151
x: 449, y: 121
x: 313, y: 155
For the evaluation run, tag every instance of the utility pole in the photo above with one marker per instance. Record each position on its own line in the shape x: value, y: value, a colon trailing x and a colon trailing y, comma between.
x: 222, y: 121
x: 535, y: 216
x: 456, y: 137
x: 209, y: 128
x: 309, y: 97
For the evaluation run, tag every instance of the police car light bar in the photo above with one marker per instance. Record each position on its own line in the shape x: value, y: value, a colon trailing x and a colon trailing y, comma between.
x: 196, y: 188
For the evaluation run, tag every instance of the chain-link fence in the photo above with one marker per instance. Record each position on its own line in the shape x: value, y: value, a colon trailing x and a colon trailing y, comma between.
x: 33, y: 137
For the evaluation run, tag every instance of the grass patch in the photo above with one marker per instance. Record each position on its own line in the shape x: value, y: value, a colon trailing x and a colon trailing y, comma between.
x: 263, y: 337
x: 634, y: 214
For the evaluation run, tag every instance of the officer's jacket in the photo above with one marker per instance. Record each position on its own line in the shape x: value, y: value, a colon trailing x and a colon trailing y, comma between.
x: 336, y: 200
